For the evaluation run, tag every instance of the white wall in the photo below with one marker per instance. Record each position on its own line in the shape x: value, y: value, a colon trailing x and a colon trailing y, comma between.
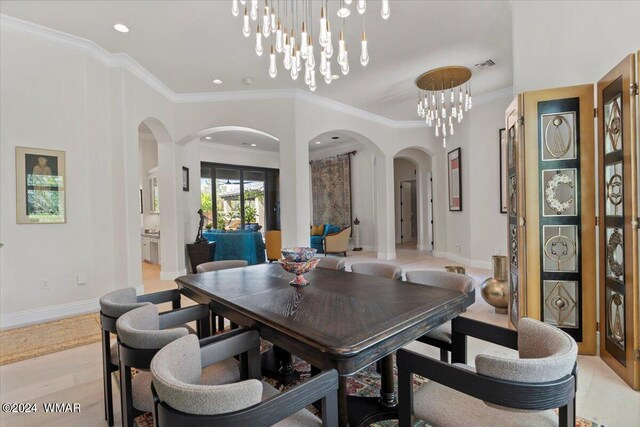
x: 64, y: 99
x: 570, y: 42
x: 220, y: 153
x: 477, y: 136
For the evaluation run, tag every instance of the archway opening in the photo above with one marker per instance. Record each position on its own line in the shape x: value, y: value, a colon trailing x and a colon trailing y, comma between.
x: 413, y: 199
x: 149, y: 201
x: 342, y: 183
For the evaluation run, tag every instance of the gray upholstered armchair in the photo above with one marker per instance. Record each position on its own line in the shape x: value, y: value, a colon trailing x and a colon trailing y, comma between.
x: 183, y: 398
x: 499, y: 391
x: 141, y: 333
x: 441, y: 336
x: 377, y: 269
x: 112, y: 306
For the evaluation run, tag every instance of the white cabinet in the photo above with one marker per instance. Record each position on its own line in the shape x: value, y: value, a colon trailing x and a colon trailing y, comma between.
x: 146, y: 249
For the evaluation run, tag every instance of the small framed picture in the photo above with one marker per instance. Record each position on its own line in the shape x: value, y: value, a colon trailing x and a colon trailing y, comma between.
x: 40, y: 186
x: 454, y: 163
x: 185, y: 179
x: 503, y: 150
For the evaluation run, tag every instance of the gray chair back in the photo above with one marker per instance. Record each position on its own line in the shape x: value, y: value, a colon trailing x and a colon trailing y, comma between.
x: 141, y: 329
x: 546, y: 354
x: 177, y: 373
x: 118, y: 302
x: 441, y: 279
x: 331, y: 263
x: 376, y: 269
x: 221, y: 265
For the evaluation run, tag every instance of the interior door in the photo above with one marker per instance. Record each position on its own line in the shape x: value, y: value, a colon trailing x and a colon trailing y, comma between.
x: 561, y: 211
x: 618, y: 231
x: 515, y: 211
x: 406, y: 211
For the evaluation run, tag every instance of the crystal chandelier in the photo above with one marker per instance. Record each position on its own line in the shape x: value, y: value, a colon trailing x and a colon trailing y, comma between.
x: 444, y: 93
x: 289, y: 23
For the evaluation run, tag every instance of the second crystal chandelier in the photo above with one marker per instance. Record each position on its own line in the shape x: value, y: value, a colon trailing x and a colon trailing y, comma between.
x: 281, y: 20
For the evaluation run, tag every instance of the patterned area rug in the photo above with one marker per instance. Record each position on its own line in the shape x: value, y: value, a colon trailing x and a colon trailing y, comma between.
x: 45, y: 338
x: 365, y: 383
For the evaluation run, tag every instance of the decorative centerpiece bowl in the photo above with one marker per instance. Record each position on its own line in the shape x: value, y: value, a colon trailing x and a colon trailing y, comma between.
x: 298, y: 254
x: 298, y: 261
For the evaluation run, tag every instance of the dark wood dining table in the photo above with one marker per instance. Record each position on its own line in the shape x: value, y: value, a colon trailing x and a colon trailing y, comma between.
x: 341, y: 320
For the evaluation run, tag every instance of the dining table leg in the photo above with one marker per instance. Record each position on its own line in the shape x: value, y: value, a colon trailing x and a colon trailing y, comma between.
x: 388, y: 395
x: 343, y: 415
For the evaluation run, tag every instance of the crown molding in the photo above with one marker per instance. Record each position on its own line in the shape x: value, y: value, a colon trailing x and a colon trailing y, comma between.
x: 79, y: 44
x: 124, y: 61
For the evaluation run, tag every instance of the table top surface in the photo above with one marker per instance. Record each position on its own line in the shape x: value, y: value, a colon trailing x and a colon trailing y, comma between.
x: 340, y: 312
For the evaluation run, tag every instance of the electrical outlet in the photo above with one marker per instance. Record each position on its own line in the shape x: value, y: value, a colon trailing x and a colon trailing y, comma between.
x: 81, y: 279
x: 44, y: 284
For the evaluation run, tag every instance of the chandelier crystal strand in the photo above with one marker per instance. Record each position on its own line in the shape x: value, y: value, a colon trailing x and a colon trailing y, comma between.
x: 361, y: 7
x: 254, y: 9
x: 273, y: 70
x: 246, y: 31
x: 258, y: 41
x: 297, y: 48
x: 385, y: 12
x: 364, y: 52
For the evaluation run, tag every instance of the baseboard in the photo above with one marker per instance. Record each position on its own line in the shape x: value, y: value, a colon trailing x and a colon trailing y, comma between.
x: 45, y: 314
x: 171, y: 275
x: 424, y: 247
x: 462, y: 260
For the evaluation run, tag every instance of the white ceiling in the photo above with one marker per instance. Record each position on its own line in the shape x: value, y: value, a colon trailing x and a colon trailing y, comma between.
x: 186, y: 44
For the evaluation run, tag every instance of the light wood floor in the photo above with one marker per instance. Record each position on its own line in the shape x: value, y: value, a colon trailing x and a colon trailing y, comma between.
x: 75, y: 375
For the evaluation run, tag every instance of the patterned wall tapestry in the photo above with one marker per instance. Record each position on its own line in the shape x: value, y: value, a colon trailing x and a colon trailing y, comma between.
x: 331, y: 190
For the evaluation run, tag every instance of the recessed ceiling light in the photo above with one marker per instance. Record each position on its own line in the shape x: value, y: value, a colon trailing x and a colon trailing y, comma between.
x: 318, y: 142
x: 207, y: 137
x: 253, y: 145
x: 217, y: 81
x: 335, y: 77
x: 343, y: 12
x: 121, y: 28
x: 247, y: 80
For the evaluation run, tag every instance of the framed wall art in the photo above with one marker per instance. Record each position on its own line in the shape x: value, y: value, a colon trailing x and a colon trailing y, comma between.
x: 185, y: 179
x: 454, y: 163
x: 40, y: 186
x: 503, y: 150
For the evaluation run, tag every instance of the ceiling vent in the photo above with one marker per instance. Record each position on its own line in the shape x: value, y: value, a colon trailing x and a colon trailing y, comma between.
x: 485, y: 64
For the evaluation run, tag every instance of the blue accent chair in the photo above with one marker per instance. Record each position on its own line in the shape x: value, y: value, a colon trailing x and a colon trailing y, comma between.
x: 242, y: 244
x: 317, y: 242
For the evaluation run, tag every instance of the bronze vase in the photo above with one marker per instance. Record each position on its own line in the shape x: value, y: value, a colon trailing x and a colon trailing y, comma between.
x: 495, y: 290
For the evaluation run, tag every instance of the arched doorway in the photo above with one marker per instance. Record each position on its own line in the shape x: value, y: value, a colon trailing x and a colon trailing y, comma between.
x: 413, y: 199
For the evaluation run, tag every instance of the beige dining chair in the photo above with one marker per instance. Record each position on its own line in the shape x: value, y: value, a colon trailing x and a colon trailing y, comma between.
x: 376, y: 269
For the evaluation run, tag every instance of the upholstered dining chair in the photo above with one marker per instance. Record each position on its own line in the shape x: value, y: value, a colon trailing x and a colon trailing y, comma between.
x: 376, y: 269
x: 184, y: 397
x: 331, y: 263
x: 112, y: 306
x: 141, y: 333
x: 217, y: 266
x: 221, y: 265
x: 499, y: 391
x: 441, y: 336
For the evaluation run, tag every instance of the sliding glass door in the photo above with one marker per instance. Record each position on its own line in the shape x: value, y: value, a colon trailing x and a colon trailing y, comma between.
x: 233, y: 197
